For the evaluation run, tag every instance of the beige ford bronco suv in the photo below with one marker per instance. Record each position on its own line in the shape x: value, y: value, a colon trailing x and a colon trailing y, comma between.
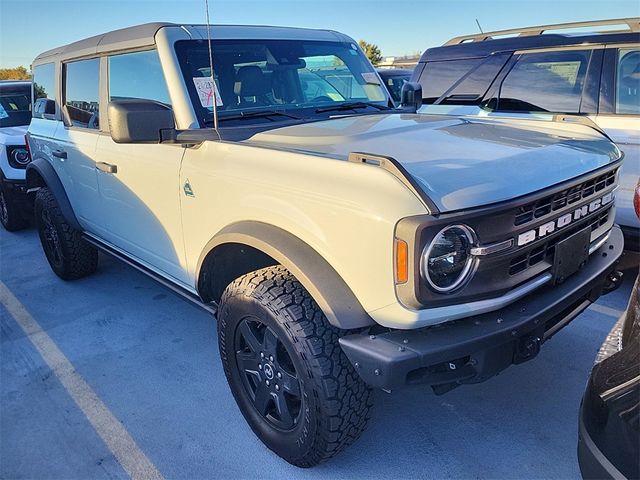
x: 342, y: 244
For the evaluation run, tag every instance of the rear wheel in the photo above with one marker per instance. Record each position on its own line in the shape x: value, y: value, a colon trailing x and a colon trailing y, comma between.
x: 290, y: 378
x: 69, y: 255
x: 11, y: 216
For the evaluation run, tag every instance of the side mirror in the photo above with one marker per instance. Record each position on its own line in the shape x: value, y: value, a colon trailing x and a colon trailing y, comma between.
x: 138, y: 121
x: 44, y: 107
x: 411, y: 95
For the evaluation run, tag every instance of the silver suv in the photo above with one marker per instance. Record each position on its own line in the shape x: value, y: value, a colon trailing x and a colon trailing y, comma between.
x: 342, y: 244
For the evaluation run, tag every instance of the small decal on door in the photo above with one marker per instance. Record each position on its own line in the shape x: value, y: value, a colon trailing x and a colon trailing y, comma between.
x: 188, y: 191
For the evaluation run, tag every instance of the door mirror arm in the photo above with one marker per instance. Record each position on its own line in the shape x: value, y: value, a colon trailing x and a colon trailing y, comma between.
x: 192, y: 136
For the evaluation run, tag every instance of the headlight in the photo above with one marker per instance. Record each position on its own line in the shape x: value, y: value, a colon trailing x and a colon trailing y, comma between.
x: 446, y: 262
x: 18, y: 156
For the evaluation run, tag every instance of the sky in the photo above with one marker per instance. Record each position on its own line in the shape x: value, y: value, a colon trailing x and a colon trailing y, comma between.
x: 398, y: 27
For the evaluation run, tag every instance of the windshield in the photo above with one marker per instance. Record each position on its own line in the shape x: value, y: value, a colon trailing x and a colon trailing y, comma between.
x: 15, y: 105
x: 291, y: 76
x: 394, y: 84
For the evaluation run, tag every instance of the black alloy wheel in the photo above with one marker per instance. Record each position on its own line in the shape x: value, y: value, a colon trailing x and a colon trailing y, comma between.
x: 268, y: 374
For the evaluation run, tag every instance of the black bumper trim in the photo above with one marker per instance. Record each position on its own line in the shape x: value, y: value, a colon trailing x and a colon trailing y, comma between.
x: 17, y: 189
x: 593, y: 463
x: 474, y: 349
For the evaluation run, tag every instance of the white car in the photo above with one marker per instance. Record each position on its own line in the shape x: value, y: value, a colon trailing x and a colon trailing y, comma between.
x: 345, y: 244
x: 587, y: 69
x: 15, y: 115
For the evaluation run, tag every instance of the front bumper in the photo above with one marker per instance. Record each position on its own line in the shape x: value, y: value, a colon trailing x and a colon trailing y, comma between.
x: 17, y: 188
x: 476, y: 348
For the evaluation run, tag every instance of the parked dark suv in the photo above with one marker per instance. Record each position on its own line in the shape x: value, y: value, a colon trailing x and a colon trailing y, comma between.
x: 540, y: 70
x: 394, y: 79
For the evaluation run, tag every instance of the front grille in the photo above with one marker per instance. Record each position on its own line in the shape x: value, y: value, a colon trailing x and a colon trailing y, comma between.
x: 551, y: 203
x: 546, y: 250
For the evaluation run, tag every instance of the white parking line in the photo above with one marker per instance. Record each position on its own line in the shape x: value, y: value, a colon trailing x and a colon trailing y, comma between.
x: 611, y: 312
x: 117, y: 439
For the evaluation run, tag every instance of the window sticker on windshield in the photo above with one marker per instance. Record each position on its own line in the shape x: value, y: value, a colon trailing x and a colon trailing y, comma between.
x: 3, y: 112
x: 371, y: 78
x: 207, y: 88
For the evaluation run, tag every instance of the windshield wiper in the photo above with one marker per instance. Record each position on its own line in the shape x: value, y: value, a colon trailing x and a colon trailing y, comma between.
x: 352, y: 106
x: 260, y: 114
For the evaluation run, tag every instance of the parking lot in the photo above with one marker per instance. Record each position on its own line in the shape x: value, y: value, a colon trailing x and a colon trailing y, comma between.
x: 152, y: 361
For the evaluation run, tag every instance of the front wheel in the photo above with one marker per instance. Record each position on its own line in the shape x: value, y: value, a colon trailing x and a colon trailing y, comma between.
x: 287, y: 372
x: 11, y: 217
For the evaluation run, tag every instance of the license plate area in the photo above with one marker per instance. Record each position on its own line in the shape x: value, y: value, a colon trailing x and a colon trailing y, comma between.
x: 570, y: 255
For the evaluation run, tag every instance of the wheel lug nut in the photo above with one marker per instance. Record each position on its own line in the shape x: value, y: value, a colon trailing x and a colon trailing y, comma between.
x: 261, y: 355
x: 259, y: 366
x: 279, y: 375
x: 277, y: 387
x: 268, y: 383
x: 271, y: 358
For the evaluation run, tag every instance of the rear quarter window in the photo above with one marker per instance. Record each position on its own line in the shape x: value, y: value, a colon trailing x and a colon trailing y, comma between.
x: 44, y: 91
x: 545, y: 82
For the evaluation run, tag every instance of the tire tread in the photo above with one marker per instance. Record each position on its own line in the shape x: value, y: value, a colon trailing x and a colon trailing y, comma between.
x: 347, y: 403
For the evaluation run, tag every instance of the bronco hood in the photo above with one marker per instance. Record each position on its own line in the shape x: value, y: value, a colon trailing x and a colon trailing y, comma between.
x: 459, y: 162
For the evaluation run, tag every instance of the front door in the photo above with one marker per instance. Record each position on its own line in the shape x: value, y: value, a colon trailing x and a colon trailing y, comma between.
x: 140, y: 184
x: 140, y: 190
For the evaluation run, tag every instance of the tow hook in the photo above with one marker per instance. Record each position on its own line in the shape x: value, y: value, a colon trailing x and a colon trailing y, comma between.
x: 527, y: 348
x: 612, y: 282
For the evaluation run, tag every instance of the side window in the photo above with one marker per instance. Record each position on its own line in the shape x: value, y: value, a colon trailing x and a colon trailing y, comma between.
x: 81, y: 92
x: 438, y: 77
x: 137, y: 76
x: 545, y: 82
x: 44, y: 91
x: 628, y: 81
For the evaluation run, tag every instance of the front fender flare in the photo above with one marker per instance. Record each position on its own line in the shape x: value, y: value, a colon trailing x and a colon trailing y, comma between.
x: 40, y: 168
x: 324, y: 284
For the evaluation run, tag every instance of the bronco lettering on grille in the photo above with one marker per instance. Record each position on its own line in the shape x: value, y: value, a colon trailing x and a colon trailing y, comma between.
x: 560, y: 222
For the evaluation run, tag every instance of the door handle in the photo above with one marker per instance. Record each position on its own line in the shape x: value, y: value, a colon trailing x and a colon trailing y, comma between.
x: 106, y: 167
x: 59, y: 154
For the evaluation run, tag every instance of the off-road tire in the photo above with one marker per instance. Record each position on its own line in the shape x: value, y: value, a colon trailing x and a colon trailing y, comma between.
x: 336, y: 404
x: 11, y: 216
x: 69, y: 255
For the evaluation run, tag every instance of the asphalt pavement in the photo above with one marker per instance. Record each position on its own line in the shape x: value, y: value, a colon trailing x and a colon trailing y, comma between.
x: 119, y: 355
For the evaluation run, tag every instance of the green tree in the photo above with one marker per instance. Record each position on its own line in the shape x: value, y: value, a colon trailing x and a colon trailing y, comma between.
x: 18, y: 73
x: 372, y: 51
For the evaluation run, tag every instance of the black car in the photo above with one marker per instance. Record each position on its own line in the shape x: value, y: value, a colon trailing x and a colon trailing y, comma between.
x: 610, y: 414
x: 609, y: 427
x: 536, y: 71
x: 394, y: 79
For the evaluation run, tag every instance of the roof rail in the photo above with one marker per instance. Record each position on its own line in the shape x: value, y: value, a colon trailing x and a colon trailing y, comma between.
x: 633, y: 25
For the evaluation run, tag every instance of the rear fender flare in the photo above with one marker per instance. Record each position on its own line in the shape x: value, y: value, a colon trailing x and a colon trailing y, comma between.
x: 40, y: 173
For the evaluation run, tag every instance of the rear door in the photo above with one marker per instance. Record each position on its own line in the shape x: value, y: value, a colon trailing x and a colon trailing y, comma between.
x: 77, y: 137
x: 619, y: 116
x: 140, y: 183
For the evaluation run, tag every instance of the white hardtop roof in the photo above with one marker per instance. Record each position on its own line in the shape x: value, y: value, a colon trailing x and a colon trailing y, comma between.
x: 144, y: 35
